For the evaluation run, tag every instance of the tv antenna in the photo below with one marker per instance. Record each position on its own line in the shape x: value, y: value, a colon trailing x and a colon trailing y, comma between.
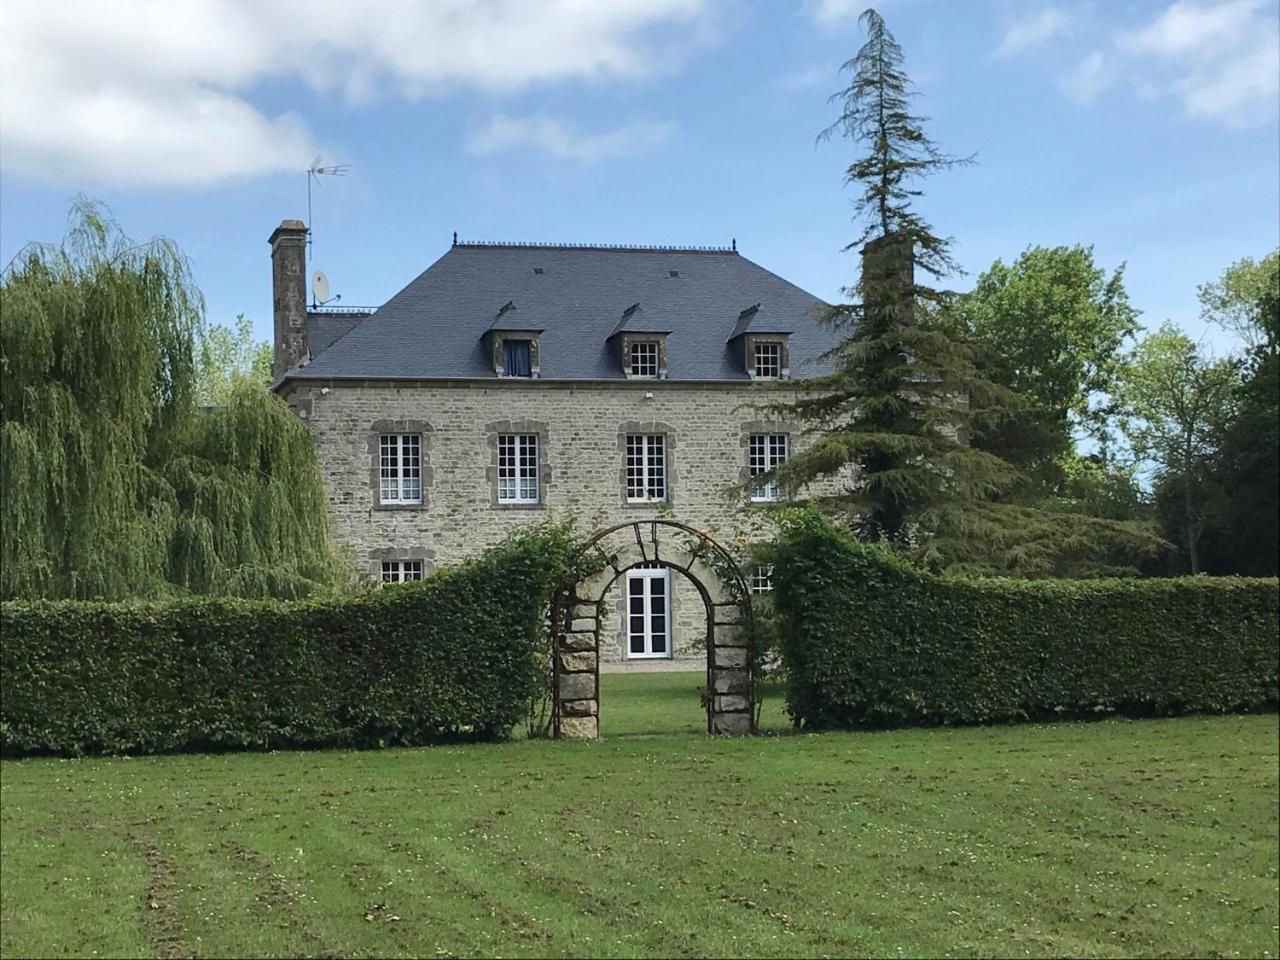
x: 317, y: 170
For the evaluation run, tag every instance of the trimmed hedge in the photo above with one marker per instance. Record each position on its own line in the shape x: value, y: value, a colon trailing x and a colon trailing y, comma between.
x: 460, y: 653
x: 868, y: 640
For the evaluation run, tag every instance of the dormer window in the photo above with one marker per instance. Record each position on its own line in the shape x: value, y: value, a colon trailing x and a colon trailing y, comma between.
x: 643, y: 355
x: 517, y: 358
x: 766, y: 361
x: 513, y: 353
x: 644, y: 359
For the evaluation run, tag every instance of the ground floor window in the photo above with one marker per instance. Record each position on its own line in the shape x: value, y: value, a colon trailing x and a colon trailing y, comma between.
x: 401, y: 571
x: 648, y: 612
x: 762, y: 579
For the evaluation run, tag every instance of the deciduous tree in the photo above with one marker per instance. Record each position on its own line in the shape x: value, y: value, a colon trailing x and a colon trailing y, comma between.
x: 225, y: 355
x: 1175, y: 402
x: 115, y: 484
x: 1054, y: 326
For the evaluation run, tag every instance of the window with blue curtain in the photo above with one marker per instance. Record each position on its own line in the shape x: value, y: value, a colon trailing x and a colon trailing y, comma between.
x: 517, y: 358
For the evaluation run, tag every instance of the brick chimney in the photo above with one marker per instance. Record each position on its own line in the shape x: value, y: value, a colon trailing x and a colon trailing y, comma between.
x: 889, y: 277
x: 289, y: 292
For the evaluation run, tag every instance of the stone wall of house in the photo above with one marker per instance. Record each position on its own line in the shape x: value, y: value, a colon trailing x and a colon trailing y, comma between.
x: 582, y: 432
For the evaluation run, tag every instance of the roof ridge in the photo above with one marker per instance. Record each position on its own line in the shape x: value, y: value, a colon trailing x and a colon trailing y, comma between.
x: 609, y: 247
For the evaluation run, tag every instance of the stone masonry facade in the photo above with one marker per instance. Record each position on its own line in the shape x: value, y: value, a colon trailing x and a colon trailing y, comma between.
x: 581, y: 428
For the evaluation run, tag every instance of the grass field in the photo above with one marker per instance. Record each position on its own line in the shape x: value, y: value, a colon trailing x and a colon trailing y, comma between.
x: 1103, y: 839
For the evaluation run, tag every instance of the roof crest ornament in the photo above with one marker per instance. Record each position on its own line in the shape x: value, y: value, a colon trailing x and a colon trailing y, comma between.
x: 629, y: 247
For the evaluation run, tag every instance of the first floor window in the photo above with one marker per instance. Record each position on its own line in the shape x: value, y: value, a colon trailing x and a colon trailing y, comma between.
x: 644, y: 359
x: 401, y: 571
x: 768, y: 359
x: 646, y: 467
x: 648, y: 612
x: 767, y: 451
x: 400, y: 468
x: 518, y: 468
x: 762, y: 579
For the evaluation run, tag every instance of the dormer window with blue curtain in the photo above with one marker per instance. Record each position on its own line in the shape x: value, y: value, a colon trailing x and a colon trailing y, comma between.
x: 517, y: 358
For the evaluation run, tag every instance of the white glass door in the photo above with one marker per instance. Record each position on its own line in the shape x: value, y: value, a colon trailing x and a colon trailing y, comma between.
x: 648, y: 612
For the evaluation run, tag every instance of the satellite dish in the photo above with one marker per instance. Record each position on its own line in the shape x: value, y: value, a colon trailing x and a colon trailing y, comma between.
x: 319, y: 287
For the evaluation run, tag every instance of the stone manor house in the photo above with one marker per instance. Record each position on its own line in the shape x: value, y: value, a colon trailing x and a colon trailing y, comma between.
x: 512, y: 382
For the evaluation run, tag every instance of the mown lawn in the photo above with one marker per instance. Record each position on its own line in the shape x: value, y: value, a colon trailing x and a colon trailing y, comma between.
x: 1102, y: 839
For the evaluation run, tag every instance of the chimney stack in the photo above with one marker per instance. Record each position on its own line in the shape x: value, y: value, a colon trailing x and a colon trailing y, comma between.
x: 889, y: 280
x: 289, y: 293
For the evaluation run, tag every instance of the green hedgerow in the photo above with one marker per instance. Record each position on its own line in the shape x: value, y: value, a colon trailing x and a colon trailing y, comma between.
x: 869, y: 640
x: 461, y: 653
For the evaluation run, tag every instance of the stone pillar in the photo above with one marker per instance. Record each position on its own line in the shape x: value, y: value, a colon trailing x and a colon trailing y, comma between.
x: 289, y: 293
x: 577, y: 690
x: 729, y: 673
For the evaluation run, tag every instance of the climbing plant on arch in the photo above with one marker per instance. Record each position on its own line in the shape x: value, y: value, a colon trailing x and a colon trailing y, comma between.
x: 578, y: 609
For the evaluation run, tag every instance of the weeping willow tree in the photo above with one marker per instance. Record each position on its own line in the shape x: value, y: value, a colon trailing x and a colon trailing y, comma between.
x: 114, y: 484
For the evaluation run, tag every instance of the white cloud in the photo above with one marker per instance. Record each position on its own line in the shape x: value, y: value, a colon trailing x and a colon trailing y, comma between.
x: 833, y: 11
x: 1087, y: 79
x: 1188, y: 26
x: 809, y: 79
x: 150, y: 92
x: 1027, y: 33
x: 1220, y: 58
x: 555, y: 138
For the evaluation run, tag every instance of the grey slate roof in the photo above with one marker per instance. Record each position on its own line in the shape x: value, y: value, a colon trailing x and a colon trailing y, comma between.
x: 325, y: 329
x: 433, y: 328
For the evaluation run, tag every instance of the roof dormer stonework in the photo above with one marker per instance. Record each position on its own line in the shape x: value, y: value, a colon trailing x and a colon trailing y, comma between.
x: 763, y: 343
x: 641, y: 341
x: 767, y: 356
x: 644, y: 356
x: 512, y: 344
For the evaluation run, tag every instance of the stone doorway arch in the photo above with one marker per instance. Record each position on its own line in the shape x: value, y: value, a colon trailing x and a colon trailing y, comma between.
x: 577, y: 612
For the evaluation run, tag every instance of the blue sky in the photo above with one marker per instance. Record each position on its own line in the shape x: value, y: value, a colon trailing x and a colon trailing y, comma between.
x: 1148, y: 129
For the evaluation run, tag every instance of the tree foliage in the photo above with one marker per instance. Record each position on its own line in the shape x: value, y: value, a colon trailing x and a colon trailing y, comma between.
x: 1240, y: 516
x: 1175, y: 402
x: 910, y: 389
x: 1243, y: 300
x: 1057, y: 325
x: 897, y: 408
x: 224, y: 356
x: 115, y: 485
x: 1053, y: 326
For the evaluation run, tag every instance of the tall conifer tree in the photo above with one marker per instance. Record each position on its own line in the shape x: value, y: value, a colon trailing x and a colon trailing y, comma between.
x: 896, y: 411
x: 893, y: 423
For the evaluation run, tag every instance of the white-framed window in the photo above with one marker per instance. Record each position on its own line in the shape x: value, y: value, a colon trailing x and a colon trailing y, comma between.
x: 401, y: 571
x: 766, y: 451
x: 767, y: 361
x: 646, y: 467
x: 648, y: 612
x: 400, y: 468
x: 762, y: 579
x: 644, y: 358
x: 518, y: 468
